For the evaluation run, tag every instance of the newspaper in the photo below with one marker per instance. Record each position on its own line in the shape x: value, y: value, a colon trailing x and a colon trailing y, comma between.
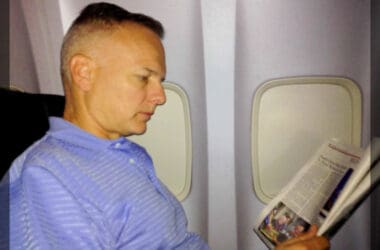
x: 324, y: 192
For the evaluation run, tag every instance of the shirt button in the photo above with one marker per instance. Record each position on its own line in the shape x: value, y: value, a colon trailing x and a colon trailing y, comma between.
x: 117, y: 145
x: 132, y: 161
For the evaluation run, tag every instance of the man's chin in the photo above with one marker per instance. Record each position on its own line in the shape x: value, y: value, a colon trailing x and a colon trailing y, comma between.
x: 139, y: 131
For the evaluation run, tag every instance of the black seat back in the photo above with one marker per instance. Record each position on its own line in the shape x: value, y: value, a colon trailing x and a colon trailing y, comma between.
x: 23, y: 120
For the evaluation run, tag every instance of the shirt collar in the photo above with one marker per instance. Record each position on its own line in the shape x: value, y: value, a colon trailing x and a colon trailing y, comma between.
x: 65, y: 130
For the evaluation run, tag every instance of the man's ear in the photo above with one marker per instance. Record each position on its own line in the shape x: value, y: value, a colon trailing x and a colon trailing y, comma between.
x: 81, y: 68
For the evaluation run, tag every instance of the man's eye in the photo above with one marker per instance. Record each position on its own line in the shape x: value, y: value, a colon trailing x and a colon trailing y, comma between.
x: 144, y: 78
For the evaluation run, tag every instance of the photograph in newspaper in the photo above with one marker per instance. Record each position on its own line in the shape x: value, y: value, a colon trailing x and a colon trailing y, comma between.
x: 282, y: 224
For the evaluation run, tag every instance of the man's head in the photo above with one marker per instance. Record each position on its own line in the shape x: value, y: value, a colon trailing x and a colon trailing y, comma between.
x: 298, y: 229
x: 284, y: 218
x: 98, y: 19
x: 112, y: 65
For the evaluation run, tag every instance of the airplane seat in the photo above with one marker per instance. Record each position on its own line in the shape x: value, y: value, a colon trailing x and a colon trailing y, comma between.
x: 24, y: 119
x: 291, y: 118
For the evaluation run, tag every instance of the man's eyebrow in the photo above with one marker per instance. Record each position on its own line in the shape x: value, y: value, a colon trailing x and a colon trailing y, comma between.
x: 153, y: 72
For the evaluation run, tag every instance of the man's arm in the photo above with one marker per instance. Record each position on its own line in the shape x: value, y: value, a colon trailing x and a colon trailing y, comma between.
x: 307, y: 241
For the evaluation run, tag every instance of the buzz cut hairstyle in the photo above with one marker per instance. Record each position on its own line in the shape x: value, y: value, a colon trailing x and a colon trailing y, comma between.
x: 103, y: 17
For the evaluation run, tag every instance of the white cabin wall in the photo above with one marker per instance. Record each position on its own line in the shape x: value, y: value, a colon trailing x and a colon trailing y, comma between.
x: 219, y: 46
x: 43, y: 21
x: 22, y: 71
x: 285, y: 38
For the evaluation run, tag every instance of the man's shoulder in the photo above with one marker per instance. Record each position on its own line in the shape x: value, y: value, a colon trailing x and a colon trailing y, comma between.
x: 40, y: 153
x: 43, y: 146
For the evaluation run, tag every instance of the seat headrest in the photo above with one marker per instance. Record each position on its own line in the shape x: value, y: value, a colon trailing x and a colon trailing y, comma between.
x: 24, y: 119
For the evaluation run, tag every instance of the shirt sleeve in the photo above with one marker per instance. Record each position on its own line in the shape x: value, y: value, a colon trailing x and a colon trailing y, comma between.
x: 44, y: 214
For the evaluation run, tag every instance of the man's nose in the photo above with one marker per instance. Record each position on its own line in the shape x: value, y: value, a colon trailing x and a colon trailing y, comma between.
x: 158, y: 94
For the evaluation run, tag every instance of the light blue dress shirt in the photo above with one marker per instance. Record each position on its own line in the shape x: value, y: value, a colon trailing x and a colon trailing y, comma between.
x: 72, y: 190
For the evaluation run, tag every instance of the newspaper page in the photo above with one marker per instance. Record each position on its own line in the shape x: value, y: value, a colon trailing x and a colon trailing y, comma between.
x: 309, y: 197
x: 359, y: 186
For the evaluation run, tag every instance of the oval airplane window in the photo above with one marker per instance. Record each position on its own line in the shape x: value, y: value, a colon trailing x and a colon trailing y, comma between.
x: 168, y: 141
x: 291, y: 118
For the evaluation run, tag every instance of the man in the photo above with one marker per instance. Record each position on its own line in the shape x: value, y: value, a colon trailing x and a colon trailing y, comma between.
x: 84, y: 185
x: 281, y: 222
x: 299, y: 227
